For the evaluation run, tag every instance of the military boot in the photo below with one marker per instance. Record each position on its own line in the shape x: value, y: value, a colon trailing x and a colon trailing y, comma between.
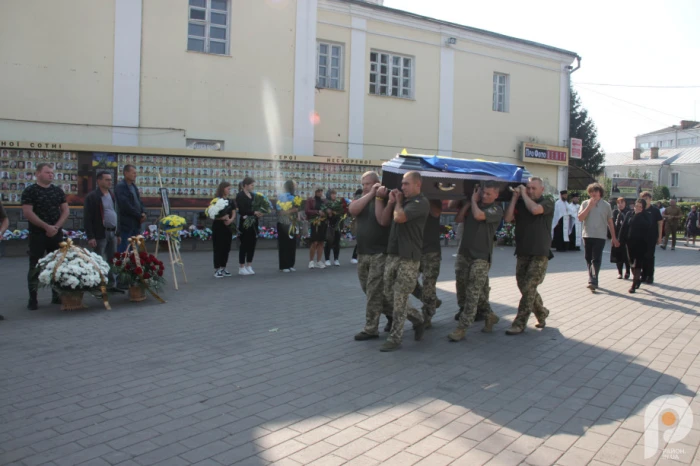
x: 515, y: 330
x: 457, y: 335
x: 418, y: 330
x: 491, y: 320
x: 438, y: 303
x: 389, y: 346
x: 362, y: 336
x: 541, y: 323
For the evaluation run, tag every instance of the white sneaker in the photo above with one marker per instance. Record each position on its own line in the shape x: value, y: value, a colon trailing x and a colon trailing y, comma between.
x: 243, y: 271
x: 353, y: 261
x: 250, y: 270
x: 336, y: 263
x: 312, y: 265
x: 320, y: 265
x: 292, y: 269
x: 328, y: 263
x: 286, y: 270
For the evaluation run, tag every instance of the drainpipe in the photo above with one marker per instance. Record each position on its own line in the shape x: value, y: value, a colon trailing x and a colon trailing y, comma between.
x: 578, y: 65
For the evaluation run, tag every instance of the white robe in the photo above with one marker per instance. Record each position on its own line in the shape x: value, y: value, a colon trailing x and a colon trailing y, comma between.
x: 561, y: 211
x: 575, y: 222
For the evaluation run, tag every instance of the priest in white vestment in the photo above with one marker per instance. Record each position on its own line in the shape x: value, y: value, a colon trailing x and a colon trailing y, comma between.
x: 560, y: 223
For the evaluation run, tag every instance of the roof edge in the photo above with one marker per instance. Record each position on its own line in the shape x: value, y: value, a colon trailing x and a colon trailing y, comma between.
x: 484, y: 32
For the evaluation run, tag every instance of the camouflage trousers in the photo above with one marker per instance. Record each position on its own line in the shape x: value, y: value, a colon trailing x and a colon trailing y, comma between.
x: 461, y: 280
x: 426, y: 292
x: 370, y: 271
x: 476, y: 277
x: 529, y: 273
x: 400, y: 277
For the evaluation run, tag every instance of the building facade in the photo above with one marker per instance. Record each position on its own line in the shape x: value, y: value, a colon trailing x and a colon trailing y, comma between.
x: 678, y: 169
x: 686, y: 134
x: 340, y: 79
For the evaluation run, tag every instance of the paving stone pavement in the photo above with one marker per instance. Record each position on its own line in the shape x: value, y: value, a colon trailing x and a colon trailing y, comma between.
x: 264, y: 370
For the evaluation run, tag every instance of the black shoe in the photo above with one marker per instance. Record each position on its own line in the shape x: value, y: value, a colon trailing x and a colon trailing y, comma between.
x: 33, y: 305
x: 650, y: 280
x: 418, y: 331
x: 438, y: 303
x: 362, y: 336
x: 627, y: 276
x: 387, y: 327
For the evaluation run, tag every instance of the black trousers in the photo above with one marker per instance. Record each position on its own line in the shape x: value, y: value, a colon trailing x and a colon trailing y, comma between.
x: 249, y: 238
x: 594, y: 257
x: 335, y: 245
x: 649, y: 262
x: 222, y: 238
x: 286, y: 247
x: 39, y: 246
x: 354, y: 252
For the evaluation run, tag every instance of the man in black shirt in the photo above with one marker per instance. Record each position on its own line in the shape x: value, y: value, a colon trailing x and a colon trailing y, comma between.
x: 656, y: 236
x: 131, y: 211
x: 533, y: 215
x: 44, y: 205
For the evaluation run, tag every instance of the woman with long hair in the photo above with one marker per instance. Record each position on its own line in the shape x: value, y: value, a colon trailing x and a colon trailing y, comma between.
x: 221, y: 234
x: 636, y: 232
x: 248, y: 236
x: 618, y: 255
x: 314, y: 211
x: 286, y: 245
x: 333, y: 233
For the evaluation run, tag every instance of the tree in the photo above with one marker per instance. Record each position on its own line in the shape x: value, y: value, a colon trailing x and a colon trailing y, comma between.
x: 661, y: 193
x: 581, y: 126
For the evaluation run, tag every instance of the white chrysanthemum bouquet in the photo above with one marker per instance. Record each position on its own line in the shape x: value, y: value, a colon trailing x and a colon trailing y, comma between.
x: 73, y: 270
x: 218, y: 208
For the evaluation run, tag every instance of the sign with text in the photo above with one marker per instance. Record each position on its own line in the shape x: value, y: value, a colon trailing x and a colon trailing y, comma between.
x: 576, y: 148
x: 548, y: 155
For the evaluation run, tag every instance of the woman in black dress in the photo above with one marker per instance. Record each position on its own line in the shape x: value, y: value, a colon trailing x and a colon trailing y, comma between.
x: 248, y: 236
x: 636, y: 233
x: 618, y: 255
x: 691, y: 225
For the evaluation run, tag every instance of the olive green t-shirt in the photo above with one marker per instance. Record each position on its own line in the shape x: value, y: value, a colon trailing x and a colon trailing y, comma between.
x: 533, y: 233
x: 431, y: 235
x: 372, y: 238
x: 406, y: 239
x: 478, y: 235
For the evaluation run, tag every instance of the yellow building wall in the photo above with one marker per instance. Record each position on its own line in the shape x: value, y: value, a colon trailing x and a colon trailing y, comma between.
x: 56, y: 62
x: 245, y: 99
x: 533, y: 105
x: 333, y: 106
x: 392, y: 123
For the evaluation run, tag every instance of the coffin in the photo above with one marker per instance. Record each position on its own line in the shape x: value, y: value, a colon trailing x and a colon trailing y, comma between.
x: 446, y: 178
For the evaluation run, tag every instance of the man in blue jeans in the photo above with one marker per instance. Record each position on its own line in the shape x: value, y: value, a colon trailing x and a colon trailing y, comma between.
x: 131, y: 211
x: 596, y: 216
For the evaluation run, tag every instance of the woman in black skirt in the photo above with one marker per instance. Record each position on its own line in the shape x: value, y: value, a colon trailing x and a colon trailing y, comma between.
x: 248, y: 236
x: 618, y: 255
x: 636, y: 233
x: 287, y: 247
x: 221, y: 233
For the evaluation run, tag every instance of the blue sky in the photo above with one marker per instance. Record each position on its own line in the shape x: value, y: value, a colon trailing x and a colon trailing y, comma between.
x: 641, y: 43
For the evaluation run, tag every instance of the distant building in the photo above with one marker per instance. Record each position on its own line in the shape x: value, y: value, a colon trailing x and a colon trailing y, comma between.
x: 678, y: 169
x: 686, y: 134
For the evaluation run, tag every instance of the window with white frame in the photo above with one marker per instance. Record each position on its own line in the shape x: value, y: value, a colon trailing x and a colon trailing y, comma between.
x: 687, y: 141
x: 675, y: 178
x: 208, y: 26
x: 329, y: 59
x: 645, y: 145
x: 500, y: 92
x: 390, y: 74
x: 616, y: 175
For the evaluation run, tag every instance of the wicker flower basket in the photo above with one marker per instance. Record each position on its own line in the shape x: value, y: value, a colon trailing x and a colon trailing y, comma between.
x: 136, y: 293
x: 72, y: 301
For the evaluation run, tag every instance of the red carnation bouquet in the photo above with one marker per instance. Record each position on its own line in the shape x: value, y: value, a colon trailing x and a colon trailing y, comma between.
x: 137, y: 268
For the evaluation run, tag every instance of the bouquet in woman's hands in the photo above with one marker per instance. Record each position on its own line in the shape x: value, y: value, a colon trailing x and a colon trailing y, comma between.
x: 260, y: 204
x: 219, y: 207
x: 285, y: 203
x: 339, y: 207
